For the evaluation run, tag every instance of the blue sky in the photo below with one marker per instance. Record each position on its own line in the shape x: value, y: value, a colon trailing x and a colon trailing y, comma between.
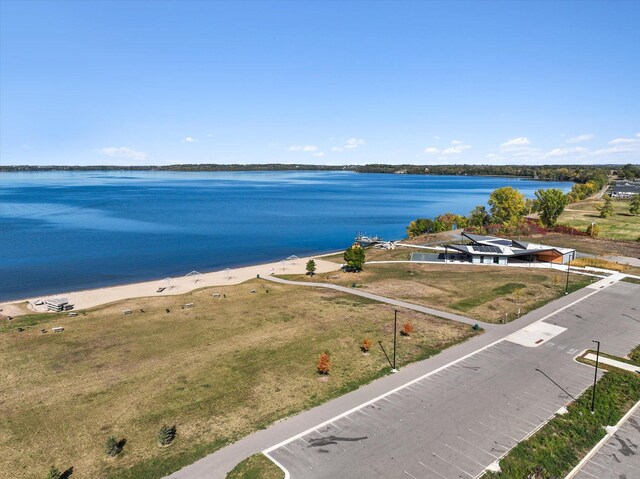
x: 162, y: 82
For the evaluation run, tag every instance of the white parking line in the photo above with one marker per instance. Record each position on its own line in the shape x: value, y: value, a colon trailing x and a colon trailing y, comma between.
x: 504, y: 434
x: 461, y: 470
x: 473, y: 445
x: 464, y: 455
x: 435, y: 472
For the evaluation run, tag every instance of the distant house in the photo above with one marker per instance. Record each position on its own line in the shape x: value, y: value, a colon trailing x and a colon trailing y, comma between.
x: 625, y: 189
x: 502, y: 251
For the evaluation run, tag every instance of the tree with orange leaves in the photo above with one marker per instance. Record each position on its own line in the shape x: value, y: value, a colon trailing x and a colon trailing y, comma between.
x: 324, y: 365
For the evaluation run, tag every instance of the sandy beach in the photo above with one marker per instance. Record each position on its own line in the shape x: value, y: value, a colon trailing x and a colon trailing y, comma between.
x: 173, y: 286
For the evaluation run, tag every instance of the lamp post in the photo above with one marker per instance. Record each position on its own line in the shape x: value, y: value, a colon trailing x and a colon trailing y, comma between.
x: 566, y: 288
x: 395, y: 326
x: 595, y: 376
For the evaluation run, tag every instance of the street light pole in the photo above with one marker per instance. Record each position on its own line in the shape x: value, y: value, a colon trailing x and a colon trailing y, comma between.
x: 395, y: 326
x: 595, y: 376
x: 566, y: 288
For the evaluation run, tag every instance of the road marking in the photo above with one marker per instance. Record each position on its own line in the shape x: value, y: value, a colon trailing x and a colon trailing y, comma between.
x: 414, y: 477
x: 461, y: 470
x: 504, y: 434
x: 473, y: 445
x: 518, y: 418
x: 435, y: 472
x: 464, y: 455
x: 516, y: 427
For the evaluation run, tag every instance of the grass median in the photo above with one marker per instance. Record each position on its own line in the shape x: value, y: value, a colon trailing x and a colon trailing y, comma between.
x: 560, y: 445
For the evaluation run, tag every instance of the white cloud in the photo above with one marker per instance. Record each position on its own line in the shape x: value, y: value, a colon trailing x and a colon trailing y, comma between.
x: 623, y: 141
x: 558, y: 152
x: 456, y: 148
x: 436, y: 137
x: 580, y: 138
x: 122, y: 152
x: 351, y: 144
x: 432, y: 150
x: 319, y: 154
x: 307, y: 148
x: 622, y: 147
x: 515, y: 143
x: 189, y: 139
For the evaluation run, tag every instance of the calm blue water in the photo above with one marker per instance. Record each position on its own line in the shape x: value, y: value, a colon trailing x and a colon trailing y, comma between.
x: 64, y: 231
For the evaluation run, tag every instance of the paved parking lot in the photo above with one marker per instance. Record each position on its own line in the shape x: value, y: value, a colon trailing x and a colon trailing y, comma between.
x: 456, y: 422
x: 619, y: 457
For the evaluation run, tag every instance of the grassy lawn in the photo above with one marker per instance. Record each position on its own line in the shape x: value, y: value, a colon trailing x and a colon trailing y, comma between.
x: 376, y: 254
x: 621, y: 225
x: 218, y: 371
x: 257, y: 466
x: 565, y: 440
x: 485, y: 293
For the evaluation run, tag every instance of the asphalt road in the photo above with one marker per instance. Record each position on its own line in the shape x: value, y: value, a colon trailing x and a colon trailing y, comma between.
x: 455, y: 422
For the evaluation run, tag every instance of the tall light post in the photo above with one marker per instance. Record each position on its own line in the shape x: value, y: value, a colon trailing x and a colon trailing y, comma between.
x: 566, y: 288
x: 595, y: 377
x: 395, y: 327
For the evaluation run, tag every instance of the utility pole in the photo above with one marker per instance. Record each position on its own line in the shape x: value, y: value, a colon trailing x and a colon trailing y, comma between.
x: 395, y: 327
x: 595, y: 377
x: 566, y: 288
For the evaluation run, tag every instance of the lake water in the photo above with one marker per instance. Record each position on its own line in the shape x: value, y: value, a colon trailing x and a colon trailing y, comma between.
x: 65, y: 231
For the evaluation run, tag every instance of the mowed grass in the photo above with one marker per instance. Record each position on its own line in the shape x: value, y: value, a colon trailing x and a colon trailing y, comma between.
x: 620, y: 225
x: 217, y: 371
x: 486, y: 293
x: 257, y: 466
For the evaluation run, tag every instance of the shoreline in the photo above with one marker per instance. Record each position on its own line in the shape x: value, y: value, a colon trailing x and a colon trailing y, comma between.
x: 90, y: 298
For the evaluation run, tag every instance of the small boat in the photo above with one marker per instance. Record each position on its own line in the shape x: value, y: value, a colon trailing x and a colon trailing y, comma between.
x: 364, y: 240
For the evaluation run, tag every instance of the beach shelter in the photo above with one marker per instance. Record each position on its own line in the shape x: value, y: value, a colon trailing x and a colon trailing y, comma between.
x: 227, y: 272
x: 196, y: 275
x: 292, y: 258
x: 169, y: 280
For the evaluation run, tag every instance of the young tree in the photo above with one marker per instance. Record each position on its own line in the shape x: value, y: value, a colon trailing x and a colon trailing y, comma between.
x: 593, y: 230
x: 551, y: 204
x: 311, y: 267
x: 634, y: 207
x: 53, y: 473
x: 407, y: 329
x: 507, y: 205
x: 112, y: 447
x: 607, y: 209
x: 324, y: 364
x: 479, y: 216
x: 354, y: 258
x: 166, y: 435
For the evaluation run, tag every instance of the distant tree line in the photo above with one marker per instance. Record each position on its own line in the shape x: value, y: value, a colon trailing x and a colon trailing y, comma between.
x: 575, y: 173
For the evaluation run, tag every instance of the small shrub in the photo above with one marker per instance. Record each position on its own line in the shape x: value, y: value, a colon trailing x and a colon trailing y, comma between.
x: 324, y: 365
x: 407, y: 329
x: 166, y: 435
x: 366, y: 345
x: 593, y: 230
x: 112, y: 447
x: 53, y: 473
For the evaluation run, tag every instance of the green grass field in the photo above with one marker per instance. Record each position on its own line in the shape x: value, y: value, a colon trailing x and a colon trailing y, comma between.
x: 621, y: 225
x: 486, y: 293
x: 257, y: 466
x: 217, y: 371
